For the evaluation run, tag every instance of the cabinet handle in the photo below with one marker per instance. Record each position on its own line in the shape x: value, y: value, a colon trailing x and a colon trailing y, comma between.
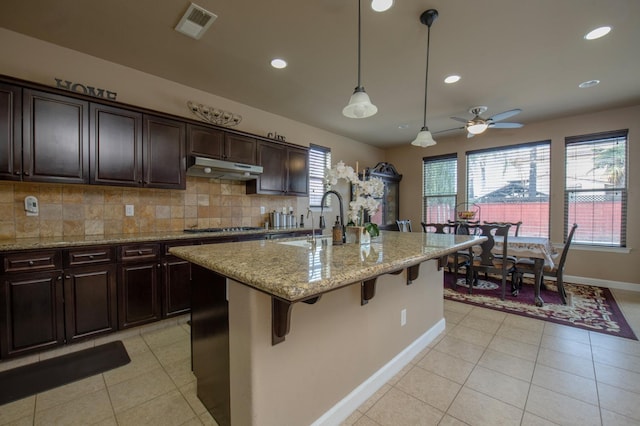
x: 140, y: 252
x: 91, y: 257
x: 31, y: 263
x: 17, y: 173
x: 27, y: 174
x: 159, y: 265
x: 68, y: 277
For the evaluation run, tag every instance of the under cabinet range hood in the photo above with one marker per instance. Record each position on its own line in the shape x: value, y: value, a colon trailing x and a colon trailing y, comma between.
x: 219, y: 169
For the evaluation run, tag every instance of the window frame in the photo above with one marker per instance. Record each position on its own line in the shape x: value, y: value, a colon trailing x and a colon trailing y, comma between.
x: 593, y: 140
x: 433, y: 160
x: 543, y: 229
x: 315, y: 180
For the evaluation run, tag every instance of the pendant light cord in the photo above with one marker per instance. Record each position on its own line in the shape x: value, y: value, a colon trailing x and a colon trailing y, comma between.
x: 359, y: 36
x: 426, y: 78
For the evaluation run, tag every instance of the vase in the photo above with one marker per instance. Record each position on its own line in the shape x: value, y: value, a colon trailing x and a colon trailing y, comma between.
x: 358, y: 235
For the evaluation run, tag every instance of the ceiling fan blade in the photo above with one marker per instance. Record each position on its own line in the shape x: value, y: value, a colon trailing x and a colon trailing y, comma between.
x: 506, y: 114
x: 448, y: 130
x: 506, y: 125
x: 462, y: 120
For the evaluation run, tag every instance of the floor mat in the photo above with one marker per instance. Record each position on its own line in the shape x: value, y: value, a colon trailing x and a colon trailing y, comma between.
x: 590, y: 308
x: 41, y: 376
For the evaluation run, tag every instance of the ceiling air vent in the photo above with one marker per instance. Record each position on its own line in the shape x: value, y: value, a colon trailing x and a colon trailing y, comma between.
x: 195, y: 21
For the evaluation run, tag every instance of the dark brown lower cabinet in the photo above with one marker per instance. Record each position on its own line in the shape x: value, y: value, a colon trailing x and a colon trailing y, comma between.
x: 90, y: 301
x: 32, y: 313
x: 177, y: 286
x: 138, y: 285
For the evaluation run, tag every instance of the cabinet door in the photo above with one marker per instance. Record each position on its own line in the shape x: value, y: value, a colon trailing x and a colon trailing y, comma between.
x: 298, y: 172
x: 205, y: 141
x: 90, y: 301
x: 55, y: 146
x: 164, y: 153
x: 10, y: 132
x: 241, y: 149
x: 177, y: 286
x: 138, y: 297
x: 31, y: 313
x: 116, y: 146
x: 272, y: 158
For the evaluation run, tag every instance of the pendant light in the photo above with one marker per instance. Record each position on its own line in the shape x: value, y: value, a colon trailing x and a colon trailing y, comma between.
x: 360, y: 105
x: 424, y: 138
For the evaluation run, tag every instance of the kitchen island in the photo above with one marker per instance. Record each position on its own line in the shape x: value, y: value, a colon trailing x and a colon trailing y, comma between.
x: 263, y: 358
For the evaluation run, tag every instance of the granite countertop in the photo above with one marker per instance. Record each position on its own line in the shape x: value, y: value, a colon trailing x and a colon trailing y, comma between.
x: 294, y: 270
x: 63, y: 242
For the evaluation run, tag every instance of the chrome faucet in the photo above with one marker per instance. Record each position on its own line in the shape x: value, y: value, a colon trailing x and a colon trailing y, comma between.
x: 313, y: 229
x: 322, y: 223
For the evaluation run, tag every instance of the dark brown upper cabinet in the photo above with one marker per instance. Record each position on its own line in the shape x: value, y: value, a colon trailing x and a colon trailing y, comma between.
x: 10, y: 132
x: 132, y: 149
x: 285, y: 170
x: 165, y: 163
x: 116, y: 149
x: 55, y: 142
x: 216, y: 143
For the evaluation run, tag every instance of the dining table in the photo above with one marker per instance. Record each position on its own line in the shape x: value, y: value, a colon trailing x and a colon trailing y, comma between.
x: 538, y: 249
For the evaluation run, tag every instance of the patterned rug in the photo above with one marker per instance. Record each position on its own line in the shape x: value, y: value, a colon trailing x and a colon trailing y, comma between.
x: 588, y: 307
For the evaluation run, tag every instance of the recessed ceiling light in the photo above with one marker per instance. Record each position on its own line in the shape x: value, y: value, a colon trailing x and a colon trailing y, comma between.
x: 403, y: 126
x: 597, y: 33
x: 278, y: 63
x: 589, y: 83
x: 452, y: 79
x: 381, y: 5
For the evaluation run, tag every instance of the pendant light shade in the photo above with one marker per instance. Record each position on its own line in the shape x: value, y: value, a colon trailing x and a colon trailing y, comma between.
x: 360, y: 105
x: 424, y: 138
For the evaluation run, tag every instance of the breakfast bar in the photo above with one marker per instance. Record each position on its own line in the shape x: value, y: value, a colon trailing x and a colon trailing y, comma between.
x: 263, y: 358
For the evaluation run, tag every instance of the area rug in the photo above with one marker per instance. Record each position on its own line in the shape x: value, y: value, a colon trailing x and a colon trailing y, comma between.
x: 588, y: 307
x: 41, y: 376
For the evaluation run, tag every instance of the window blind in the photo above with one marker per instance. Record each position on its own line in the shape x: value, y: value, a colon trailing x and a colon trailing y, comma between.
x: 440, y: 186
x: 319, y: 162
x: 596, y: 188
x: 512, y: 184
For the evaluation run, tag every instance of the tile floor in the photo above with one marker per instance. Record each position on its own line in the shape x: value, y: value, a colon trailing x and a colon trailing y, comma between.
x: 487, y: 368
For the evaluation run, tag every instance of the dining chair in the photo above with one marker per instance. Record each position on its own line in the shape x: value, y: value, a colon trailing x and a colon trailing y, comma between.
x: 488, y: 262
x: 526, y: 266
x: 455, y: 261
x: 515, y: 226
x: 404, y: 225
x: 438, y: 228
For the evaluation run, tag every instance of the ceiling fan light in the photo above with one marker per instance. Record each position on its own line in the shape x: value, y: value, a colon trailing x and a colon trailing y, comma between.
x: 424, y: 138
x: 360, y: 105
x: 477, y: 128
x: 381, y: 5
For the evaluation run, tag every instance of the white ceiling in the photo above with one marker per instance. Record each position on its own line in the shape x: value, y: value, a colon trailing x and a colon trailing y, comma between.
x: 510, y: 53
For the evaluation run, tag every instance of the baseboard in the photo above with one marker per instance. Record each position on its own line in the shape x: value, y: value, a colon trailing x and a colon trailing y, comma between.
x: 620, y: 285
x: 343, y: 409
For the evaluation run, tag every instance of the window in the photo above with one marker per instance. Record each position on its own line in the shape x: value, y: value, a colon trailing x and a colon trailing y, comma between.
x: 596, y: 188
x: 440, y: 183
x: 319, y: 162
x: 511, y: 184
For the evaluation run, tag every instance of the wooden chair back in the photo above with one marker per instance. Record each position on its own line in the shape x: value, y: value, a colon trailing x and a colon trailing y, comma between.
x: 404, y: 225
x: 438, y: 228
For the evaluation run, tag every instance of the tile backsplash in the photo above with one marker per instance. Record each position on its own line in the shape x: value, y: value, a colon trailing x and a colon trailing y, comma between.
x: 78, y: 210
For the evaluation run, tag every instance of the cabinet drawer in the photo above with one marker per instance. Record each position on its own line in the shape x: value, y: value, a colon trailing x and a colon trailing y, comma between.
x: 89, y: 256
x: 31, y: 261
x: 138, y: 252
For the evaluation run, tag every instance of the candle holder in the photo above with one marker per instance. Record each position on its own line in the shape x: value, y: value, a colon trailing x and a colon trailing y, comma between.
x: 214, y: 115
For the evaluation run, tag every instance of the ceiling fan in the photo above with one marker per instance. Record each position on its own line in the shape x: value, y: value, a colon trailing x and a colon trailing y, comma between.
x: 478, y: 125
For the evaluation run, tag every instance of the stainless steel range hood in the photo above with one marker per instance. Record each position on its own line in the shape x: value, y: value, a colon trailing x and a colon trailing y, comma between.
x: 219, y: 169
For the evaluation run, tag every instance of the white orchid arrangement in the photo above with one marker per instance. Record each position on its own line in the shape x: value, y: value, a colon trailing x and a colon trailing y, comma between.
x: 366, y: 192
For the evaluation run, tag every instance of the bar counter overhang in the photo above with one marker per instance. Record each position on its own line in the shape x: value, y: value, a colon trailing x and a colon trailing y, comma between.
x: 263, y: 358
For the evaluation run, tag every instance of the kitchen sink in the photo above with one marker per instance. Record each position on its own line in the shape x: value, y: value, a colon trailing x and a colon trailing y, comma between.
x: 307, y: 244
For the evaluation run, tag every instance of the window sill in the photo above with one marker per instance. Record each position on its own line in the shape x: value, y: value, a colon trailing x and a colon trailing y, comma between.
x: 602, y: 249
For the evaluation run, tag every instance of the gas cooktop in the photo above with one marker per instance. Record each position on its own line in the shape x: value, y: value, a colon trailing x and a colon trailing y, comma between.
x: 229, y: 229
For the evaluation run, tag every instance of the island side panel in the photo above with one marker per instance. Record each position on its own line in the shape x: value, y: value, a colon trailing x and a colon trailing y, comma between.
x: 210, y: 341
x: 334, y: 345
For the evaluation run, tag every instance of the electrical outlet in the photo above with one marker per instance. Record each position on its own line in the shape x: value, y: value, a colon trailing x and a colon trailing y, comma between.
x: 262, y: 210
x: 403, y: 317
x: 128, y: 210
